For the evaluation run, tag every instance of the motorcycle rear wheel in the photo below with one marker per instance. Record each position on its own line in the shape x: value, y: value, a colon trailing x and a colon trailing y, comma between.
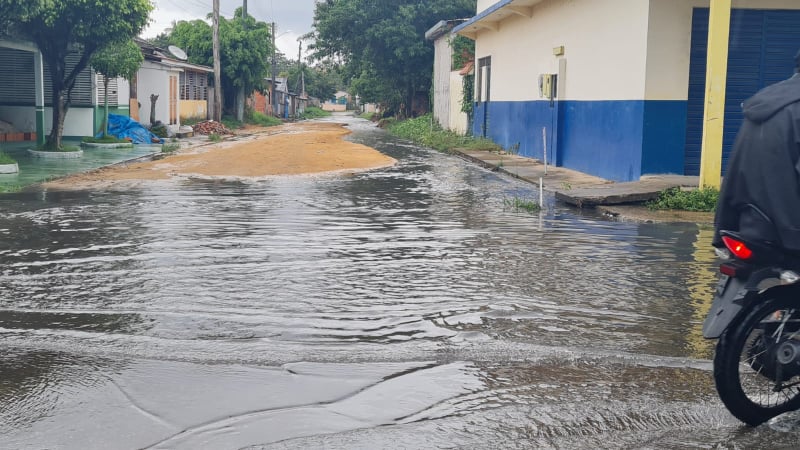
x: 748, y: 394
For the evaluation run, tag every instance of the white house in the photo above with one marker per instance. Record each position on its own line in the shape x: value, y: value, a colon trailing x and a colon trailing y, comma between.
x: 615, y: 88
x: 181, y: 87
x: 26, y: 95
x: 448, y: 86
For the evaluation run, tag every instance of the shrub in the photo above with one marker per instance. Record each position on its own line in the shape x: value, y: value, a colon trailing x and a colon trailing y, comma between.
x: 214, y: 137
x: 425, y: 131
x: 5, y: 159
x: 108, y: 139
x: 703, y: 200
x: 263, y: 120
x: 159, y: 130
x: 312, y: 112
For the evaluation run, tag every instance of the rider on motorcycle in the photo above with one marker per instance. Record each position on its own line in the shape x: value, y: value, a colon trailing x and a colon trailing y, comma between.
x: 764, y: 169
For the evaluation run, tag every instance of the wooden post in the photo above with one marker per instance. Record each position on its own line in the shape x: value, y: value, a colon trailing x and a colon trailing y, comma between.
x: 217, y: 115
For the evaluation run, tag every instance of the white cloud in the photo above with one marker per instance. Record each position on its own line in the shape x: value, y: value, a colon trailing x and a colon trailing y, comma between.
x: 293, y: 18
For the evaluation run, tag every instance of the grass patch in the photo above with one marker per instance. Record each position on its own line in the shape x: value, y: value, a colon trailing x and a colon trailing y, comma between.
x: 171, y: 147
x: 50, y: 148
x: 231, y: 123
x: 312, y: 112
x: 521, y: 204
x: 10, y: 189
x: 703, y: 200
x: 367, y: 115
x: 214, y: 137
x: 108, y: 139
x: 262, y: 120
x: 5, y: 159
x: 425, y: 131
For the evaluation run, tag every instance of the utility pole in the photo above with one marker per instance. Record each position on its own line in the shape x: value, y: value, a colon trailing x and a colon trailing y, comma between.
x: 240, y: 93
x: 300, y: 66
x: 716, y: 75
x: 274, y: 75
x: 217, y: 114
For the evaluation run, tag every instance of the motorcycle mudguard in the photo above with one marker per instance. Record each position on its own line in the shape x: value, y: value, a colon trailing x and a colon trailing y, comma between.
x: 729, y: 299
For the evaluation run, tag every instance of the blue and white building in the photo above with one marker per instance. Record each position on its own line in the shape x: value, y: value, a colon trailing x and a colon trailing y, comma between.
x: 628, y: 78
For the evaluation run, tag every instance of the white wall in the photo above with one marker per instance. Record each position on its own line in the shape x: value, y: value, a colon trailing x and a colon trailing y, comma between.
x: 605, y: 47
x: 79, y: 120
x: 154, y: 79
x: 441, y: 80
x: 669, y: 43
x: 458, y: 120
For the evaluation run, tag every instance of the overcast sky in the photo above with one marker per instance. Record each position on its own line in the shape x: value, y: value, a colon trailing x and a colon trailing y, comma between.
x: 292, y: 18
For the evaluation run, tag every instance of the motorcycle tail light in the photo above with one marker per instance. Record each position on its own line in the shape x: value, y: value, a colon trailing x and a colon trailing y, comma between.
x: 738, y: 248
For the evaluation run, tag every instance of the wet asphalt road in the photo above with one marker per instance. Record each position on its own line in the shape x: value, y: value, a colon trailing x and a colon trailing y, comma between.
x: 406, y: 307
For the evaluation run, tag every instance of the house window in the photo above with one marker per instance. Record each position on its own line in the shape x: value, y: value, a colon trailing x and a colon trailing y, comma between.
x: 483, y: 83
x: 194, y: 86
x: 113, y: 91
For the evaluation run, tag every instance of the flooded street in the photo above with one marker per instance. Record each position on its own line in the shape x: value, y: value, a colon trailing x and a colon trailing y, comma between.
x: 404, y: 307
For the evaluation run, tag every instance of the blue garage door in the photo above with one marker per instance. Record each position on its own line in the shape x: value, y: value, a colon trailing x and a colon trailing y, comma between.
x: 763, y: 44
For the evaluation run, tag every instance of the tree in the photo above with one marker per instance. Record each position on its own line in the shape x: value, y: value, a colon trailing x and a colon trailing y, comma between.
x: 113, y: 61
x: 82, y: 25
x: 246, y: 46
x: 382, y: 43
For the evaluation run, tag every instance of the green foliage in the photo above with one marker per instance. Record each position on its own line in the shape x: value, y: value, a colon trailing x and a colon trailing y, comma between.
x: 367, y: 115
x: 521, y: 204
x: 116, y: 60
x: 467, y: 99
x: 171, y: 147
x: 214, y: 137
x: 86, y: 25
x: 704, y: 200
x: 425, y: 131
x: 312, y: 112
x: 159, y: 130
x: 463, y: 51
x: 107, y: 139
x: 50, y: 148
x: 263, y: 120
x: 5, y: 159
x: 382, y: 43
x: 245, y: 49
x: 231, y: 123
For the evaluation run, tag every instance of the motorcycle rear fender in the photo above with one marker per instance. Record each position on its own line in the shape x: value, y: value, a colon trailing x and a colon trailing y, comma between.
x: 733, y: 294
x: 730, y: 297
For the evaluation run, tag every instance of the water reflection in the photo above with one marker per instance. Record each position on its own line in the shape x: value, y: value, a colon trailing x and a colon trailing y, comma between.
x: 415, y: 264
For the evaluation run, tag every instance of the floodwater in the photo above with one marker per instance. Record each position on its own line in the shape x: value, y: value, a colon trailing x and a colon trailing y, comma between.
x: 405, y: 307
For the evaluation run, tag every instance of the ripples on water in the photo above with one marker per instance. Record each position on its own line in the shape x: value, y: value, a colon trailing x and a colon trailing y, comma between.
x: 409, y: 263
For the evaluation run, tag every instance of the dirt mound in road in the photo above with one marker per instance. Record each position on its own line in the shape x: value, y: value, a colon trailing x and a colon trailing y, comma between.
x: 291, y: 149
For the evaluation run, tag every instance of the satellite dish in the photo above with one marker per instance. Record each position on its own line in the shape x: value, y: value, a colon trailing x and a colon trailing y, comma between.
x: 177, y: 52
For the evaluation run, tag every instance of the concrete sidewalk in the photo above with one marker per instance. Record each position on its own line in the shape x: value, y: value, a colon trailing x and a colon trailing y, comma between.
x: 577, y: 188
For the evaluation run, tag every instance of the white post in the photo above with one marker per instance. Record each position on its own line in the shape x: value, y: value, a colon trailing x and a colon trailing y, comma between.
x: 544, y: 147
x: 541, y: 193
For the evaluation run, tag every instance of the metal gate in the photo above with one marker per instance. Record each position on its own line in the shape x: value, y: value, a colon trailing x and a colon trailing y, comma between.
x: 763, y: 44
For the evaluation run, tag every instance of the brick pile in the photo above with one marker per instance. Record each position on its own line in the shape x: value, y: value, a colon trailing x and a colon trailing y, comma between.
x: 210, y: 127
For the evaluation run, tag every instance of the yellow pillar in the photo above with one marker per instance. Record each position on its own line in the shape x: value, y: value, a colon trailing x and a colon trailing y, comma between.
x: 716, y: 75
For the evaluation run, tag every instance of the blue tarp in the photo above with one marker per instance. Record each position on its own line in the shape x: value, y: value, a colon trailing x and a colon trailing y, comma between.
x: 123, y: 127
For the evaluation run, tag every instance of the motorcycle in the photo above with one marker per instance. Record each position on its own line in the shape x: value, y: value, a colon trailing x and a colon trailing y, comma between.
x: 755, y: 315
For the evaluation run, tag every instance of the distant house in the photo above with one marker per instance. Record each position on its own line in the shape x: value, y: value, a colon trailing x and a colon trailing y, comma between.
x: 181, y: 87
x: 615, y: 88
x: 448, y: 84
x: 338, y: 102
x: 262, y: 101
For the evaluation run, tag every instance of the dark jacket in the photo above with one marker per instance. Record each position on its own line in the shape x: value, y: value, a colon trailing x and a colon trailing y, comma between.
x: 764, y: 169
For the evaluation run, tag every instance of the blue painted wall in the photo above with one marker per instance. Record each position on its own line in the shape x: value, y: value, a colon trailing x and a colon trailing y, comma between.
x: 616, y: 140
x: 664, y: 138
